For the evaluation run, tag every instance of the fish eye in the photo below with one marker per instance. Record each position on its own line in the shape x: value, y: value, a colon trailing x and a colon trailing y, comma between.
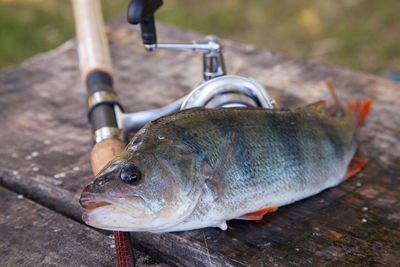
x: 130, y: 174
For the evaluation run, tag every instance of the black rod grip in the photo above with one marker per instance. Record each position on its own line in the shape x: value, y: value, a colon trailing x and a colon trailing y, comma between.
x: 103, y: 114
x: 98, y: 78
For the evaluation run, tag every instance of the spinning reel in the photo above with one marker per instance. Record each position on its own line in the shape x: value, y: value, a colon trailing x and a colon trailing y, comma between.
x: 217, y: 90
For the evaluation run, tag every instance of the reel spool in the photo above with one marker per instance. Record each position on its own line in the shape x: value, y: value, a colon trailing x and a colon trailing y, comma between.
x: 229, y: 91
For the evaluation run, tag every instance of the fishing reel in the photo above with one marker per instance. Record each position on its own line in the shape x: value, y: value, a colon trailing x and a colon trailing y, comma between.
x: 217, y: 90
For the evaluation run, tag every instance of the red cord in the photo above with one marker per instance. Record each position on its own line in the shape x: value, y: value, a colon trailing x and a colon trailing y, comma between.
x: 124, y: 250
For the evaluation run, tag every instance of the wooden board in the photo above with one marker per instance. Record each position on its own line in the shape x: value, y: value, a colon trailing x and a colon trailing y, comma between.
x: 32, y: 235
x: 45, y: 143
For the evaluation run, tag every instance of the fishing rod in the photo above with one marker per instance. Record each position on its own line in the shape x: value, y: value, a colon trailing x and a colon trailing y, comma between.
x: 110, y: 124
x: 96, y: 70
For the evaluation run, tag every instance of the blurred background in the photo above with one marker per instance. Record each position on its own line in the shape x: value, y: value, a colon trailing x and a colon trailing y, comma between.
x: 357, y: 34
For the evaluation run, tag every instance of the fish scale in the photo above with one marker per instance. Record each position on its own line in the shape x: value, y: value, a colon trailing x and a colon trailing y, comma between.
x: 269, y: 138
x: 201, y: 167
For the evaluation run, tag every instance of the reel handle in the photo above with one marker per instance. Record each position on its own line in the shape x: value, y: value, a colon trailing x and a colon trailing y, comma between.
x: 142, y: 11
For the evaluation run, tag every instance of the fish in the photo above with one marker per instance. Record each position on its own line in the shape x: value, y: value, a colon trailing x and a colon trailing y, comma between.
x: 201, y: 167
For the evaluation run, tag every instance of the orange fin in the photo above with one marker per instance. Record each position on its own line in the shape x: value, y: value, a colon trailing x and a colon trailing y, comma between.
x: 364, y: 111
x: 355, y: 166
x: 258, y: 215
x: 359, y: 111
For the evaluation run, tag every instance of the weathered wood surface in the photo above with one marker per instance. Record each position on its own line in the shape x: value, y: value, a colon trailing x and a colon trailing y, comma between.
x: 32, y: 235
x: 45, y: 143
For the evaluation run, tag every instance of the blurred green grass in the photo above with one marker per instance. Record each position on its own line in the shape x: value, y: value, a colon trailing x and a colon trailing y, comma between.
x: 358, y: 34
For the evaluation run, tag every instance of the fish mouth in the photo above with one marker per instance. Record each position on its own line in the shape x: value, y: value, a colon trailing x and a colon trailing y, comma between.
x: 93, y: 204
x: 92, y: 201
x: 121, y: 214
x: 111, y: 212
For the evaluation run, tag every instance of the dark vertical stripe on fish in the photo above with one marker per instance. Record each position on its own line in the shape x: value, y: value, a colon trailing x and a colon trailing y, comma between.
x: 334, y: 140
x: 286, y: 129
x: 188, y: 138
x: 238, y: 142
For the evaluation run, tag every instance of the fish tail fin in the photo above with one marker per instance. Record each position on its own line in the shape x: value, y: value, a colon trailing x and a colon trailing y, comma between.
x: 359, y: 111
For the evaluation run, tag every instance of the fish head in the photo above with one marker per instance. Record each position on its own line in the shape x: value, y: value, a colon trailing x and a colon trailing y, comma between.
x: 145, y: 189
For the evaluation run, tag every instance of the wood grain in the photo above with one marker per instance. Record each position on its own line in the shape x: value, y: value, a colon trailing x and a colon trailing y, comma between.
x: 32, y: 235
x: 46, y: 141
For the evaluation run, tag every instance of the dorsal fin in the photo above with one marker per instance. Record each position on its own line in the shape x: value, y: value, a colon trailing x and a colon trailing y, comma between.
x: 336, y: 105
x: 319, y: 106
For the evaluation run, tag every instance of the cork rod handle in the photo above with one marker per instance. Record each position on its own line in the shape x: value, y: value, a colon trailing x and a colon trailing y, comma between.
x: 104, y: 152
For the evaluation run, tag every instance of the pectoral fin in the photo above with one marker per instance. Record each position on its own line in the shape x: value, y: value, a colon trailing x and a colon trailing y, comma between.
x: 257, y: 215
